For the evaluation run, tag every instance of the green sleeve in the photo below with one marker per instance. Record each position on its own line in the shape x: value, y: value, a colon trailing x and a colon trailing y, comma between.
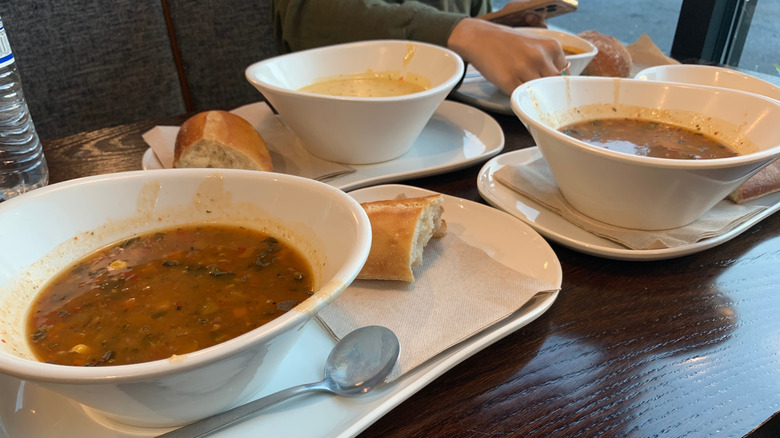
x: 305, y: 24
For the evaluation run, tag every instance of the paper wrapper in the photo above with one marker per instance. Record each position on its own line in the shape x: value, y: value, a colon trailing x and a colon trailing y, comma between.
x: 287, y: 152
x: 535, y: 181
x: 459, y: 291
x: 645, y: 54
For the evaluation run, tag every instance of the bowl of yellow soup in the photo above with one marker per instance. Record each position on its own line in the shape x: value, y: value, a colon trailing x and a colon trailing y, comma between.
x: 158, y: 298
x: 579, y: 51
x: 647, y: 155
x: 358, y: 103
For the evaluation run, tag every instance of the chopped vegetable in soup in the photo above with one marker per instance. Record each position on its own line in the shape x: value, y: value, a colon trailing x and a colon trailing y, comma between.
x: 166, y: 293
x: 647, y: 138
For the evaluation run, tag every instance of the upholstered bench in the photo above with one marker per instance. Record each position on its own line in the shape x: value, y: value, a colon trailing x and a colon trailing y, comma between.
x: 92, y: 64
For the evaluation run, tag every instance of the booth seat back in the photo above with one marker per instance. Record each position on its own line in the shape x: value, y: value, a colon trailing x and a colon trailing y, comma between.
x: 90, y: 64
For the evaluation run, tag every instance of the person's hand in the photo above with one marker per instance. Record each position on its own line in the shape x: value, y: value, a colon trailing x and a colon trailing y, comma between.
x: 506, y: 57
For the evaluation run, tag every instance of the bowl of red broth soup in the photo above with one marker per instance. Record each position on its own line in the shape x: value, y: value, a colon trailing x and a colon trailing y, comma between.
x: 647, y: 155
x: 159, y: 298
x: 358, y: 103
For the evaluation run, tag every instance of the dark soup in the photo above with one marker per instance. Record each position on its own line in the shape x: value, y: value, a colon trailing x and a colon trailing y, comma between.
x: 648, y: 138
x: 166, y: 293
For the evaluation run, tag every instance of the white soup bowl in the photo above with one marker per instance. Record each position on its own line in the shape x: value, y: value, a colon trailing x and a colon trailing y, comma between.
x: 711, y: 76
x: 577, y: 61
x: 357, y: 130
x: 49, y: 228
x: 641, y: 192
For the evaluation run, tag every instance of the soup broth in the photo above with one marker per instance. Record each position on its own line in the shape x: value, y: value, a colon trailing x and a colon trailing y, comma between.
x: 571, y: 50
x: 166, y: 293
x: 648, y: 138
x: 366, y: 85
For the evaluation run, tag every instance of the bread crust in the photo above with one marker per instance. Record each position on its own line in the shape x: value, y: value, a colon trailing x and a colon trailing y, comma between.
x: 400, y: 229
x: 220, y: 139
x: 612, y: 60
x: 766, y: 181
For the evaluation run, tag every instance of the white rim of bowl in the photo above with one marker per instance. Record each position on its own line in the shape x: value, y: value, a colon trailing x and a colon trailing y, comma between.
x: 714, y: 163
x: 52, y: 373
x: 707, y: 68
x: 450, y: 82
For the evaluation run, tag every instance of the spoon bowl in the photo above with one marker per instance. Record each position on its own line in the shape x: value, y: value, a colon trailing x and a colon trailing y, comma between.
x: 359, y: 362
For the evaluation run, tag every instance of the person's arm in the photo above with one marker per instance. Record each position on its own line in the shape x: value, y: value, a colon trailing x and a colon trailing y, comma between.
x: 305, y: 24
x: 506, y: 57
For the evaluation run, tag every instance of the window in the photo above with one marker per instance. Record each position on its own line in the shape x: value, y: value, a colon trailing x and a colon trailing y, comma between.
x: 624, y: 20
x: 761, y: 52
x: 740, y: 33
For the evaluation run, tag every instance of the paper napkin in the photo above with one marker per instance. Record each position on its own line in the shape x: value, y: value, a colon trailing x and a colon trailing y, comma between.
x: 645, y: 54
x: 459, y: 291
x: 287, y: 151
x: 535, y: 181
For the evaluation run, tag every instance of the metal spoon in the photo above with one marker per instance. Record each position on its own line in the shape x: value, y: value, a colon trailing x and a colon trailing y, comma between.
x: 360, y: 360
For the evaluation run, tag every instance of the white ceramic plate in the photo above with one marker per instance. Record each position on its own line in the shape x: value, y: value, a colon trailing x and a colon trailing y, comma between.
x: 476, y: 90
x: 28, y: 410
x: 559, y: 230
x: 457, y: 136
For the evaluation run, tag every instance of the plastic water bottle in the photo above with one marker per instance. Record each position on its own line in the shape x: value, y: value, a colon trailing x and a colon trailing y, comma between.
x: 22, y: 164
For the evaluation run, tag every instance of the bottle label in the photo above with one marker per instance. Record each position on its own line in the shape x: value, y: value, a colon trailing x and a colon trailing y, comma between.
x: 6, y: 56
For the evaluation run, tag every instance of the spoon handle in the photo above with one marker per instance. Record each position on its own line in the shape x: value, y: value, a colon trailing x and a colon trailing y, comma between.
x: 216, y: 422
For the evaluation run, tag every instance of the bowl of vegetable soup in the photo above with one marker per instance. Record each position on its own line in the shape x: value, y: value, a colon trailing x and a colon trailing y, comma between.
x: 159, y: 298
x: 647, y: 155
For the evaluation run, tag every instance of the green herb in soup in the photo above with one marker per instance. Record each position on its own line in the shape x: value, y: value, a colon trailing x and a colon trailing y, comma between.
x: 648, y: 138
x: 166, y: 293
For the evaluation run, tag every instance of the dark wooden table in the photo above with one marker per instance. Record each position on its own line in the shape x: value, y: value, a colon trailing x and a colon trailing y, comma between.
x: 682, y: 347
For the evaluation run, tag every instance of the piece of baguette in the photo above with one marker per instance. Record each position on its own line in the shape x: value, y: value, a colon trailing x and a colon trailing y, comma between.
x: 222, y: 140
x: 400, y: 229
x: 766, y: 181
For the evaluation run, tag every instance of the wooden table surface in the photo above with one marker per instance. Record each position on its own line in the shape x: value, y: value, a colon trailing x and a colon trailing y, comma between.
x: 681, y: 347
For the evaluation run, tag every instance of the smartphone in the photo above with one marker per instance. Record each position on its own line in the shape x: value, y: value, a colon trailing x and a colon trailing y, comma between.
x: 512, y: 14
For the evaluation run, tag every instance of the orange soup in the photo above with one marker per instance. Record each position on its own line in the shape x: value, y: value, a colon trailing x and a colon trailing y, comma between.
x: 166, y: 293
x: 571, y: 50
x: 648, y: 138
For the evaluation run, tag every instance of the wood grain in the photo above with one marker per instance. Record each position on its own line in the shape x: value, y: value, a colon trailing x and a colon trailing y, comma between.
x: 682, y: 347
x: 108, y: 150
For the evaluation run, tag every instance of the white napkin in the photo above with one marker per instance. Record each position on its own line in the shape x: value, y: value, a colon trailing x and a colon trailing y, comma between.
x: 459, y: 291
x: 535, y: 181
x: 287, y: 151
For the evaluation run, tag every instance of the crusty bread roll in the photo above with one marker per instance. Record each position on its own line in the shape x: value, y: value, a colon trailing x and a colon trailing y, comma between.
x: 766, y: 181
x: 220, y: 139
x: 400, y: 229
x: 613, y: 59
